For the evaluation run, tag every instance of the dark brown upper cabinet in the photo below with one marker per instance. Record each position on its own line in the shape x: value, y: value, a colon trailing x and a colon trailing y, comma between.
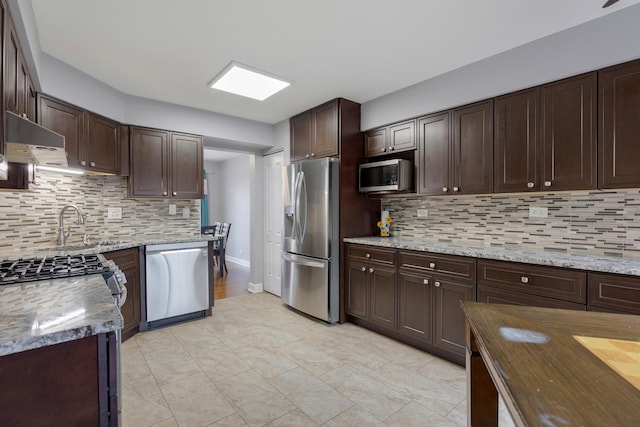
x: 315, y: 133
x: 165, y: 164
x: 516, y: 147
x: 619, y: 125
x: 92, y: 142
x: 390, y: 139
x: 455, y: 151
x: 568, y: 133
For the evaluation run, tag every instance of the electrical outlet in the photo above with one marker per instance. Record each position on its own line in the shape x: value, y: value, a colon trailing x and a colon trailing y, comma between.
x: 538, y: 212
x: 423, y: 213
x: 172, y: 209
x: 185, y: 212
x: 114, y: 213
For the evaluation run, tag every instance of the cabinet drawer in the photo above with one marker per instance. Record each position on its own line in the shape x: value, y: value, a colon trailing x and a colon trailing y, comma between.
x: 371, y: 254
x: 459, y: 267
x: 124, y: 258
x: 551, y: 282
x: 614, y: 292
x: 501, y: 296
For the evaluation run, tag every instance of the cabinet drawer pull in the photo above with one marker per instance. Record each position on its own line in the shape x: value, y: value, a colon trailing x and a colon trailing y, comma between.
x: 371, y: 270
x: 175, y: 194
x: 383, y: 150
x: 83, y: 163
x: 530, y: 184
x: 445, y: 189
x: 425, y: 281
x: 313, y: 154
x: 367, y: 256
x: 307, y: 156
x: 456, y: 189
x: 432, y: 265
x: 436, y: 284
x: 547, y: 183
x: 392, y: 148
x: 363, y: 269
x: 92, y: 164
x: 524, y: 279
x: 164, y: 193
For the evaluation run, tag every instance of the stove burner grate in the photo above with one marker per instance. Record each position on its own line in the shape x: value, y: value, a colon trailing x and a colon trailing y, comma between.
x: 53, y: 267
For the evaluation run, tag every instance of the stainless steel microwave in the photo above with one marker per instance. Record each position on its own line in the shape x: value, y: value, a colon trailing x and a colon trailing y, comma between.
x: 388, y: 175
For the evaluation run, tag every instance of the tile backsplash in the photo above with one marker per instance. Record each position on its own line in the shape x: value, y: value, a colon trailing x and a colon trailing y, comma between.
x: 30, y: 218
x: 598, y: 222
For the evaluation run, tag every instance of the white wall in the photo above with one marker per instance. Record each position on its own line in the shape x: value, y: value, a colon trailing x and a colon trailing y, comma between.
x: 232, y: 204
x: 605, y: 41
x: 214, y: 190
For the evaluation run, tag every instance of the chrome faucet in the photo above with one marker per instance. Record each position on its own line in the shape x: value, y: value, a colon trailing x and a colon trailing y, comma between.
x: 62, y: 235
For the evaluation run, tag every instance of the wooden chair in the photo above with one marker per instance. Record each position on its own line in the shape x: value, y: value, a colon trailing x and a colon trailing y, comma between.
x: 222, y: 229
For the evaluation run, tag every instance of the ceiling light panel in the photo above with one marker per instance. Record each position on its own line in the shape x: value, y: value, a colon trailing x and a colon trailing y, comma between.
x: 247, y: 81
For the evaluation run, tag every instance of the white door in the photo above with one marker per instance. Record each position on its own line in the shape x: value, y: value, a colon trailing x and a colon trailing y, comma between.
x: 273, y: 206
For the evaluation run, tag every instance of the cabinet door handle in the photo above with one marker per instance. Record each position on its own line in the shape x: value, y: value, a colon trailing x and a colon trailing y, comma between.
x: 164, y: 193
x: 425, y: 281
x: 436, y: 284
x: 432, y: 265
x: 307, y: 156
x: 83, y: 163
x: 445, y: 189
x: 363, y: 269
x: 367, y: 256
x: 392, y: 148
x: 524, y: 279
x: 92, y: 164
x: 371, y: 270
x: 313, y: 154
x: 530, y: 184
x: 456, y: 189
x: 547, y: 183
x: 175, y: 193
x: 383, y: 150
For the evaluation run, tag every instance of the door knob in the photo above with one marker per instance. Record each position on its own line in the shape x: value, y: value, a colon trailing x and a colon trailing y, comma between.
x: 524, y: 279
x: 437, y: 284
x: 547, y: 183
x: 445, y: 189
x: 371, y: 270
x: 92, y: 164
x: 530, y: 184
x: 425, y: 281
x: 456, y: 189
x: 363, y: 269
x: 83, y: 163
x: 432, y: 265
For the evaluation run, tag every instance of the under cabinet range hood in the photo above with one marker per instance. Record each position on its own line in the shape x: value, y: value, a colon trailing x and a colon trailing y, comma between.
x: 28, y: 142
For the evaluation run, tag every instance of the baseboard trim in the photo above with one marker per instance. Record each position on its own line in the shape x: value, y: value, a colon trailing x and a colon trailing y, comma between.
x: 239, y: 261
x: 255, y: 288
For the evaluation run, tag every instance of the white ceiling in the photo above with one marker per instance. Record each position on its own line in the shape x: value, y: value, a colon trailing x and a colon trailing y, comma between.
x: 358, y: 49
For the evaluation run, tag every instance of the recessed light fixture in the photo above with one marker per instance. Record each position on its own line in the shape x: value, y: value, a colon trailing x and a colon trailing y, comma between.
x: 60, y: 170
x: 248, y: 81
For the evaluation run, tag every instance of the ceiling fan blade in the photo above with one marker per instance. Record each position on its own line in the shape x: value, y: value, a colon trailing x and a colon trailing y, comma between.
x: 609, y: 3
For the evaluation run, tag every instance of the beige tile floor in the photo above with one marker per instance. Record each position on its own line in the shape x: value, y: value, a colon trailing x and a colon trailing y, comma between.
x: 256, y: 362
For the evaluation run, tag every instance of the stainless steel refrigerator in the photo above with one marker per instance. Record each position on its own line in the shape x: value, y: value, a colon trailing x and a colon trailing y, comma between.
x: 310, y: 258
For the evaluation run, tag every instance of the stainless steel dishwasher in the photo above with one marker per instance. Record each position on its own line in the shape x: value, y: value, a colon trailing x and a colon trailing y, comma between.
x: 177, y: 282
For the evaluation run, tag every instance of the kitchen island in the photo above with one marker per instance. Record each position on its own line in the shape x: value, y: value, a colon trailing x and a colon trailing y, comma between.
x: 58, y: 354
x: 552, y: 366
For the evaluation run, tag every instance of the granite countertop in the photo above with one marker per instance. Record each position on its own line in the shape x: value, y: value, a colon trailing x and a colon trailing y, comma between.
x: 46, y: 312
x: 99, y: 247
x: 630, y: 266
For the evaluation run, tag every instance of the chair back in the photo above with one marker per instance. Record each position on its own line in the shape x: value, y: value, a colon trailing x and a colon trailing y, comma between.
x: 208, y: 229
x: 223, y: 230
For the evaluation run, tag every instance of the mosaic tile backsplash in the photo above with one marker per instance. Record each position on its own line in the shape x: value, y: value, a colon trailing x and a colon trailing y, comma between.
x: 598, y: 222
x: 30, y: 218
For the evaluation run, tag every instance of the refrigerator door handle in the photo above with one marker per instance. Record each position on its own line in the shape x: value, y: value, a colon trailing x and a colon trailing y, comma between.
x: 302, y: 261
x: 296, y: 203
x: 302, y: 217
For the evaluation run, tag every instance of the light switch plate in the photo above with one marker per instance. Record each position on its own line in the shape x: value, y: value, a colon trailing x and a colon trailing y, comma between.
x: 114, y: 213
x: 172, y: 209
x: 185, y: 212
x: 423, y: 213
x: 538, y: 212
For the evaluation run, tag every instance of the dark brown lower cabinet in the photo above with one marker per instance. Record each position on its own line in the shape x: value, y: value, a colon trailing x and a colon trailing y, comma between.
x: 449, y: 323
x: 371, y: 293
x: 128, y: 261
x: 613, y: 293
x: 501, y: 296
x: 62, y: 384
x: 415, y: 306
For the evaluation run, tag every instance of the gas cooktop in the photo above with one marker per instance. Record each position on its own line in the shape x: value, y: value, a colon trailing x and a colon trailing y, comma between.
x: 51, y: 267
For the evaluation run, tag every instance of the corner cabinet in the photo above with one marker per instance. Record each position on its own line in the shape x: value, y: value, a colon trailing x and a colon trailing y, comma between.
x: 315, y: 133
x: 128, y: 260
x: 165, y: 164
x: 92, y: 142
